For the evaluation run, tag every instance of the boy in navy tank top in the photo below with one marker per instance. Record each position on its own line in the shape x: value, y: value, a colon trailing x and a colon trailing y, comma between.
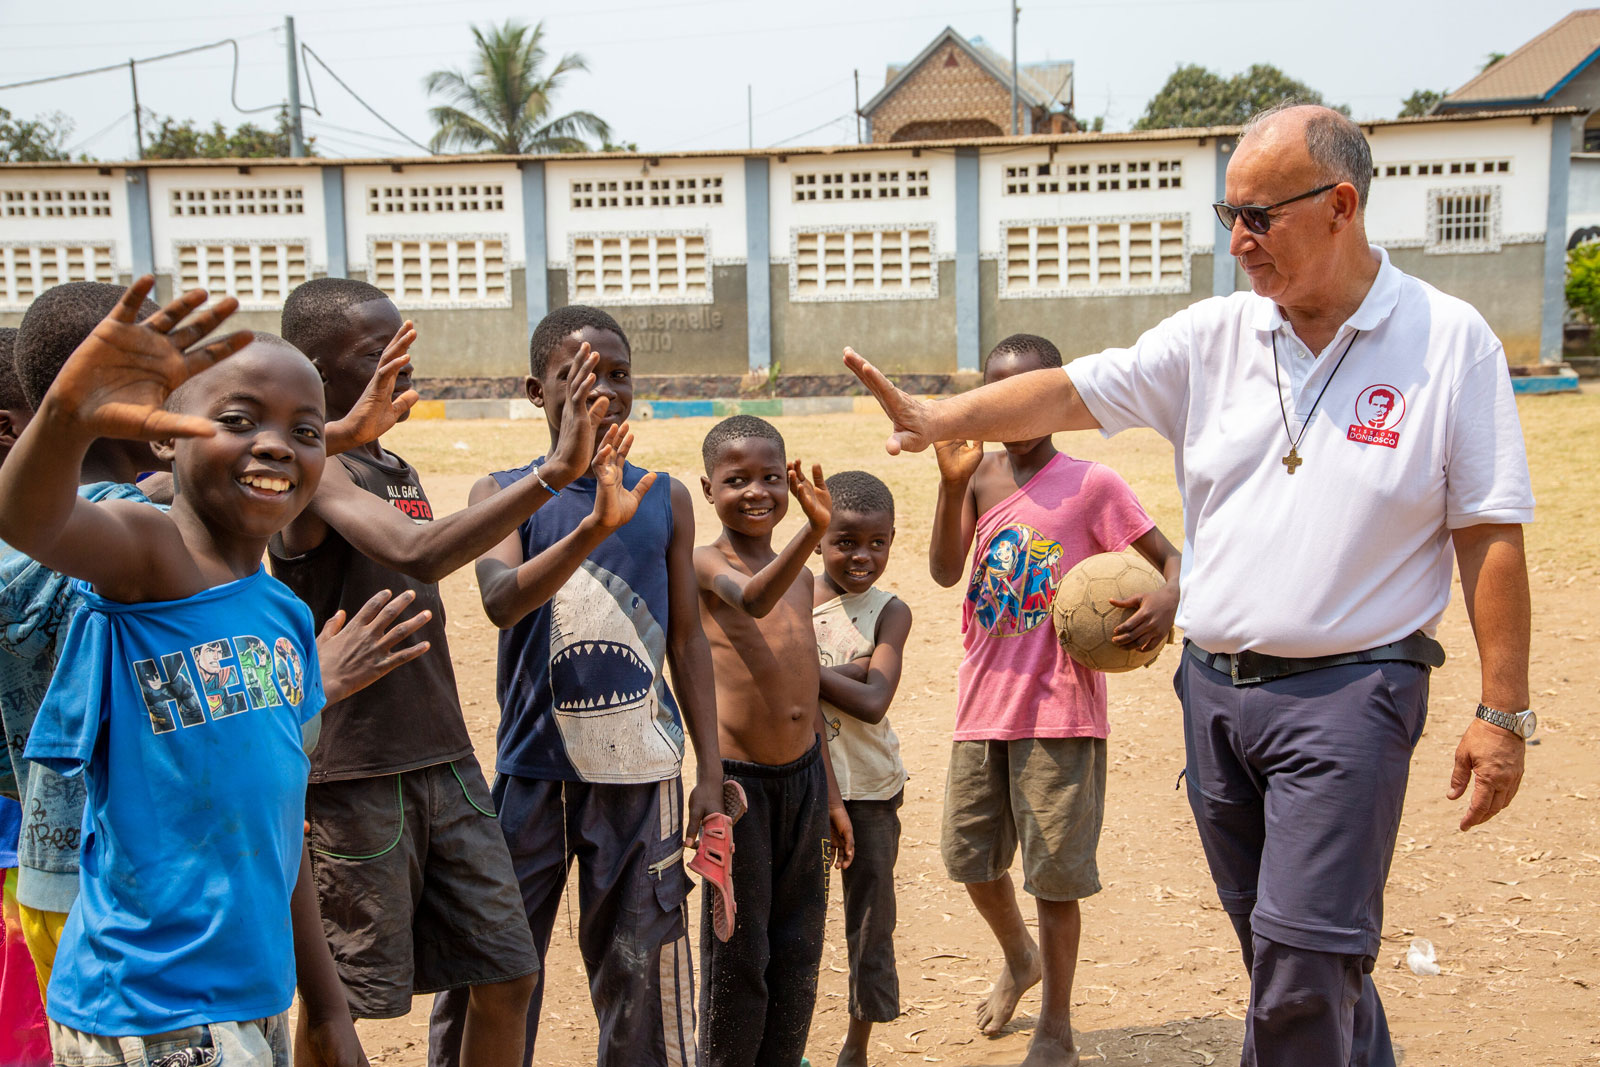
x: 594, y: 595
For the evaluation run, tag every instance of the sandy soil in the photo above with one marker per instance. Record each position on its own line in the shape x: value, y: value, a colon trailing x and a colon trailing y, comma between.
x: 1159, y: 979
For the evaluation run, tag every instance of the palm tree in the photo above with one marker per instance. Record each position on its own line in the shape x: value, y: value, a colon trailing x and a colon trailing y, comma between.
x: 502, y: 104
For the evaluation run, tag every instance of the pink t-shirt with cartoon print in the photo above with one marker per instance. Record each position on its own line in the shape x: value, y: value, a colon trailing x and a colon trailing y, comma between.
x: 1014, y: 680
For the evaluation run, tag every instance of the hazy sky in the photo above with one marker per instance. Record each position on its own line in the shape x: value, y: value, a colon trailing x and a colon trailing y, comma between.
x: 673, y: 74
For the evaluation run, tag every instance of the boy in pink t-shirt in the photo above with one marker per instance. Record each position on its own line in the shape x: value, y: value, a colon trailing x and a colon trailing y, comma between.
x: 1028, y: 762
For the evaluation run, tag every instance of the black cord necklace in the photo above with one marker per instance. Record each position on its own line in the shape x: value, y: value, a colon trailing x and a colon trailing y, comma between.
x: 1293, y: 460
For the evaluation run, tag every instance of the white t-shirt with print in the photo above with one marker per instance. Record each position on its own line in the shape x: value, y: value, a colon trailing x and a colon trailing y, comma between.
x: 1416, y: 435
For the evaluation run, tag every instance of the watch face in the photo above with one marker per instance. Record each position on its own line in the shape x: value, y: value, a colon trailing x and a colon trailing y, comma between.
x: 1527, y: 722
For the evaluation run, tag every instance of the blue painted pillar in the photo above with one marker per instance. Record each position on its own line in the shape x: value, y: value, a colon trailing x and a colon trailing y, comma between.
x: 1555, y: 241
x: 535, y: 274
x: 967, y: 292
x: 1221, y: 261
x: 758, y: 261
x: 141, y: 243
x: 333, y: 218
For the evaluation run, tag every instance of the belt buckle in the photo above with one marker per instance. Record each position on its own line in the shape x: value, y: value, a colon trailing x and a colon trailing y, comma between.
x: 1233, y: 664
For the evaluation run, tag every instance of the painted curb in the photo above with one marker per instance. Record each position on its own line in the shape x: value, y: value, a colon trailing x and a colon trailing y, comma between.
x: 1565, y: 382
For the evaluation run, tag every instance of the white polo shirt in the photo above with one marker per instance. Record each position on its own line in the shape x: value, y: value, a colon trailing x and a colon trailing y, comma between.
x: 1416, y: 435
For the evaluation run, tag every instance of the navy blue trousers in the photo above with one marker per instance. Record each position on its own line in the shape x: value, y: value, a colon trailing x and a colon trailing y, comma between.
x: 1297, y: 786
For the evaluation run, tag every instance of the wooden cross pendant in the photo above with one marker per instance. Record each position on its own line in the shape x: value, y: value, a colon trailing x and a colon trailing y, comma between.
x: 1292, y: 460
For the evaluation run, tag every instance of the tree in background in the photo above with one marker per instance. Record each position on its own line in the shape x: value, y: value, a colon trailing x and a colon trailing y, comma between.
x: 36, y: 140
x: 502, y: 103
x: 1583, y: 281
x: 1195, y: 96
x: 184, y: 140
x: 1419, y: 103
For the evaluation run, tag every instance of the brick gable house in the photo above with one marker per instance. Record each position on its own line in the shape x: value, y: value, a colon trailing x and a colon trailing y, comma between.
x: 961, y: 88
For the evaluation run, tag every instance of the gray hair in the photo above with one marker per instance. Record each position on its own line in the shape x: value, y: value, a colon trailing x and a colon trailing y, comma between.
x: 1334, y: 143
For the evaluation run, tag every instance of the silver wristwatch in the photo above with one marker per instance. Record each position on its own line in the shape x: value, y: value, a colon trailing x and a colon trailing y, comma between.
x: 1521, y: 723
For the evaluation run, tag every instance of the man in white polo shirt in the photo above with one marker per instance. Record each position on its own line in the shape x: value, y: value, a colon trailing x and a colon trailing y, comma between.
x: 1340, y: 432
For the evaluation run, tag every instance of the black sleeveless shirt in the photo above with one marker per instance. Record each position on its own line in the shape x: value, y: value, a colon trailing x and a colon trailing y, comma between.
x: 411, y: 717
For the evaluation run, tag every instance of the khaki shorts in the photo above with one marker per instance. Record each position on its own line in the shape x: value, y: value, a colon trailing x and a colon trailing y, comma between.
x: 1047, y: 794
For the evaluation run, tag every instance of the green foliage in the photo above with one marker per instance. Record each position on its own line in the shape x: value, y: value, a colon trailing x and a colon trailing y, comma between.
x: 1490, y: 60
x: 36, y: 140
x: 1583, y: 281
x: 502, y: 103
x: 1195, y: 96
x: 1419, y: 103
x: 172, y: 139
x: 620, y: 146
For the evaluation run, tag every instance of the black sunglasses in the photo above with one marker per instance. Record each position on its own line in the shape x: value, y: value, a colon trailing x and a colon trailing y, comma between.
x: 1256, y: 219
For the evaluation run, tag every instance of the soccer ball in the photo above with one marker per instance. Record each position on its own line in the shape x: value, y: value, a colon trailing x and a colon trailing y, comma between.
x: 1085, y: 617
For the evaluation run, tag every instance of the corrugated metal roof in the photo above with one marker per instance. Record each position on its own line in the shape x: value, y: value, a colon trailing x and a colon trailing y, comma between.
x: 653, y: 158
x: 1537, y: 69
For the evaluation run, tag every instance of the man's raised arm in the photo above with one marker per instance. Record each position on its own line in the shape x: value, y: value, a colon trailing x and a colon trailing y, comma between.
x: 1025, y: 406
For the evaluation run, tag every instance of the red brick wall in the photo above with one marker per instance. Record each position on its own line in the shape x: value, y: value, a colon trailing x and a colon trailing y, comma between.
x: 948, y: 87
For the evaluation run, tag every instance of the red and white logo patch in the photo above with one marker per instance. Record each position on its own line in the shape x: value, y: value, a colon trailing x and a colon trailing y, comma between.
x: 1379, y: 410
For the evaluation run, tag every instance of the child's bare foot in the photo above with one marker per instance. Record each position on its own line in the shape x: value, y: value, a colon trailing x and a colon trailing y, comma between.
x: 995, y: 1012
x: 1049, y: 1052
x: 852, y: 1056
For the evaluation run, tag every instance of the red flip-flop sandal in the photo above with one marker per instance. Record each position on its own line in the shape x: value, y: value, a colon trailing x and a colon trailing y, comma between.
x: 713, y: 860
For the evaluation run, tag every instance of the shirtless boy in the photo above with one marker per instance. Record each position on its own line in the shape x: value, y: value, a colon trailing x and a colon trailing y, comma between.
x: 759, y: 987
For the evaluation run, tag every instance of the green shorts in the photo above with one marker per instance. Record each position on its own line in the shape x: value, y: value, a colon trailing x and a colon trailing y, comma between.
x: 1047, y: 794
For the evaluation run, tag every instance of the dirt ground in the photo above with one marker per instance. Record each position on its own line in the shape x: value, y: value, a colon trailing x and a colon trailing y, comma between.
x: 1159, y: 980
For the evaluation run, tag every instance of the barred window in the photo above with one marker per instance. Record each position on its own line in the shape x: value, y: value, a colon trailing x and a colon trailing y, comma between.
x: 435, y: 199
x: 26, y: 270
x: 867, y: 263
x: 699, y: 189
x: 1096, y: 256
x: 442, y: 272
x: 640, y: 268
x: 283, y: 200
x: 1463, y: 220
x: 55, y: 203
x: 260, y: 275
x: 1107, y: 176
x: 885, y: 184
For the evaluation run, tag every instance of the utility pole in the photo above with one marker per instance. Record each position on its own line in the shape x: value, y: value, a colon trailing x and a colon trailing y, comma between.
x: 297, y: 141
x: 858, y: 106
x: 138, y: 119
x: 1013, y: 68
x: 750, y: 111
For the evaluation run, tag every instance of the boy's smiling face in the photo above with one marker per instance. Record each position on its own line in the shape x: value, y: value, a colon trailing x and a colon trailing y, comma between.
x: 351, y: 354
x: 855, y: 550
x: 263, y: 464
x: 749, y: 486
x: 613, y: 379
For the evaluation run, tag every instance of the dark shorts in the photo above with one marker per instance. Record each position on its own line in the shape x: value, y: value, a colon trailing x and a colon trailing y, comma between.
x: 416, y: 886
x: 1297, y: 785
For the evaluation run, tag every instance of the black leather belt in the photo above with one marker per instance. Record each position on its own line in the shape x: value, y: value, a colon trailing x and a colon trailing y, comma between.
x: 1249, y: 668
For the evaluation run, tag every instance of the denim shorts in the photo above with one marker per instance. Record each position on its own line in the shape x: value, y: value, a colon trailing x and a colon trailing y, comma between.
x: 258, y: 1043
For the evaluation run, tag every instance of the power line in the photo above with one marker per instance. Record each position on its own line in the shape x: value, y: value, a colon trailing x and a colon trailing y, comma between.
x: 107, y: 128
x: 233, y: 91
x: 759, y: 114
x: 814, y: 129
x: 306, y: 50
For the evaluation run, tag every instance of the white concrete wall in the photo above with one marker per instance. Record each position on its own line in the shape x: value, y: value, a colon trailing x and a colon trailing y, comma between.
x: 723, y: 223
x: 1583, y: 193
x: 1397, y: 207
x: 361, y: 223
x: 938, y: 209
x: 100, y: 230
x: 998, y: 209
x: 168, y: 230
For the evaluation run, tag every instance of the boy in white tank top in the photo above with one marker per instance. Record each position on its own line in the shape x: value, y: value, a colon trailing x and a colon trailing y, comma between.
x: 861, y: 636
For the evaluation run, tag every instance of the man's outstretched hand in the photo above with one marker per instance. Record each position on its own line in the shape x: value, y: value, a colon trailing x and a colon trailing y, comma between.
x: 910, y: 415
x: 115, y: 382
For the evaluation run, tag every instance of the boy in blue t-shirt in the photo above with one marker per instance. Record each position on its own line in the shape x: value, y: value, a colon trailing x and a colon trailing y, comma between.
x: 594, y: 595
x: 181, y: 935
